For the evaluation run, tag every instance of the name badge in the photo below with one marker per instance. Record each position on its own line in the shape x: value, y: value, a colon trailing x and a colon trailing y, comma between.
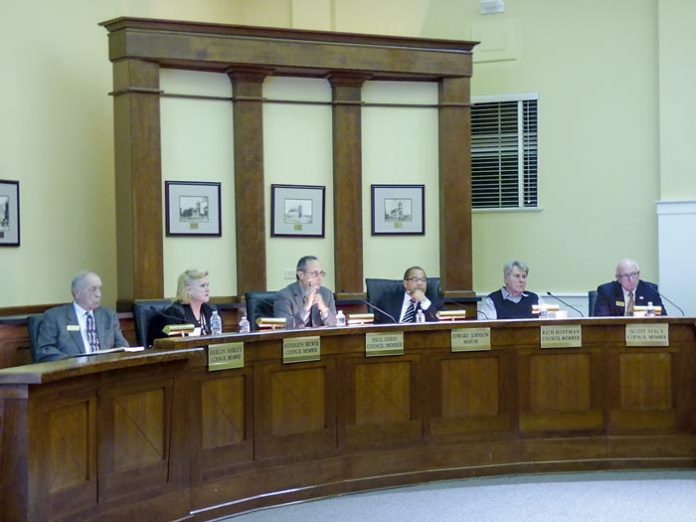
x: 620, y: 303
x: 73, y: 328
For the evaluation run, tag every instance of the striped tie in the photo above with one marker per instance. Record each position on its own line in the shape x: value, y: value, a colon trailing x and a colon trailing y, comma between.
x: 410, y: 315
x: 92, y: 336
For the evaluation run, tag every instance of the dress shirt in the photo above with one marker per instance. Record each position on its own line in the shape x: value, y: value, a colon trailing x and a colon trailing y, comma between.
x: 425, y: 304
x: 81, y: 314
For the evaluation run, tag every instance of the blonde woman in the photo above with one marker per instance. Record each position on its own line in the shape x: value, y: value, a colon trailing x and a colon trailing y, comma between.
x: 191, y: 305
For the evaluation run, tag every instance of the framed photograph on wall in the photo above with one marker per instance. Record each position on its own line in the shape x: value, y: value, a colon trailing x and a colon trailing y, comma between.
x: 9, y: 213
x: 297, y: 211
x: 398, y: 210
x: 193, y: 208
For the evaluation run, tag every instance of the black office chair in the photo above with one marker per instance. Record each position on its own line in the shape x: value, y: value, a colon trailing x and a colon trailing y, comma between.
x: 259, y: 304
x: 378, y: 288
x: 147, y: 321
x: 591, y: 302
x: 33, y: 325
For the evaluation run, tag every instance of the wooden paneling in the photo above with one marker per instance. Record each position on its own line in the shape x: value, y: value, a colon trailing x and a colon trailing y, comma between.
x: 222, y: 412
x: 157, y: 436
x: 138, y: 180
x: 248, y: 178
x: 139, y: 47
x: 347, y: 180
x: 454, y: 129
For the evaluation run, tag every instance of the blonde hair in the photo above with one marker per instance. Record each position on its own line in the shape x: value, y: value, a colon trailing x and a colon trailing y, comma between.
x: 185, y: 280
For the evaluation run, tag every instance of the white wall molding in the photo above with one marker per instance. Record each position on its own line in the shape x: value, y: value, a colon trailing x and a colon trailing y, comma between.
x: 676, y: 233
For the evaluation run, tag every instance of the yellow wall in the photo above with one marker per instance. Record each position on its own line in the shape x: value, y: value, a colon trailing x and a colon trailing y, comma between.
x: 677, y: 80
x: 605, y: 130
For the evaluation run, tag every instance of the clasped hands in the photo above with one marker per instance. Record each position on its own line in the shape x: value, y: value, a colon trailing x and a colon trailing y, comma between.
x: 313, y: 297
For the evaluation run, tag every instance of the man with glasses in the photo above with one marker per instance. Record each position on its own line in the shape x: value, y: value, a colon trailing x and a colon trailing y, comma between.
x: 619, y: 297
x: 513, y: 300
x: 403, y: 305
x: 305, y: 303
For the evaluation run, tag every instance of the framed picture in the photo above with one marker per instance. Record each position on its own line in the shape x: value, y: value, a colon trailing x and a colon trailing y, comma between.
x: 9, y: 213
x: 398, y: 210
x: 297, y: 211
x: 193, y: 208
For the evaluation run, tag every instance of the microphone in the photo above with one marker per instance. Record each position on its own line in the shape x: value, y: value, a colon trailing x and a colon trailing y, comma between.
x: 459, y: 305
x: 390, y: 316
x: 567, y: 304
x: 177, y: 320
x: 662, y: 296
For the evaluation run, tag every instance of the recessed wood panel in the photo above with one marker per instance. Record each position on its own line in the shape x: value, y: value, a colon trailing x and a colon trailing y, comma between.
x: 298, y: 401
x: 382, y: 393
x: 68, y: 440
x: 139, y: 429
x: 222, y: 412
x: 560, y: 383
x: 646, y: 381
x: 470, y: 387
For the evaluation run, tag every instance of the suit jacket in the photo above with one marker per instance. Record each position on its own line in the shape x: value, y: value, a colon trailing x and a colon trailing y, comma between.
x: 610, y: 298
x: 392, y: 303
x: 179, y: 313
x: 56, y: 341
x: 289, y: 304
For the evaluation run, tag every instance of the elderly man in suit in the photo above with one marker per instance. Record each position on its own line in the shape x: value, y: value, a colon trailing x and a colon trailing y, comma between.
x: 403, y: 304
x: 80, y: 327
x: 305, y: 303
x: 618, y: 297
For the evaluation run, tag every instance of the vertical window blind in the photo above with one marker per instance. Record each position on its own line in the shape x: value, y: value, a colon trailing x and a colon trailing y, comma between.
x: 504, y: 163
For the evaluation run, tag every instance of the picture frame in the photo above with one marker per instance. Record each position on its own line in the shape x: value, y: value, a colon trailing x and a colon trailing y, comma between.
x: 398, y: 210
x: 193, y: 208
x: 9, y: 213
x: 297, y: 210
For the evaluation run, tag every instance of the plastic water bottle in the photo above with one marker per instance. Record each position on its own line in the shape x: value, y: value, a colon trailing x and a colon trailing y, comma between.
x: 340, y: 318
x: 650, y: 311
x: 420, y: 316
x: 215, y: 323
x: 244, y: 325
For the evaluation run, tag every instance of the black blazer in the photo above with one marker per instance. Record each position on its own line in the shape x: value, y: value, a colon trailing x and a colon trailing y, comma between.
x: 179, y: 313
x: 610, y: 298
x: 392, y: 303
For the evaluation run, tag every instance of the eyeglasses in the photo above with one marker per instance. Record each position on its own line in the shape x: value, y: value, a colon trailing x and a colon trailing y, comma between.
x: 316, y: 273
x: 417, y: 279
x: 630, y: 275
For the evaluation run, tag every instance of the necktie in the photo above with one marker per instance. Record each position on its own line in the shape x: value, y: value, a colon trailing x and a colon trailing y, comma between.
x: 410, y: 315
x: 630, y: 305
x: 92, y: 337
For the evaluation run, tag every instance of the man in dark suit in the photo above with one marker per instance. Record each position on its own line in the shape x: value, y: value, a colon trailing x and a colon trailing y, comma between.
x: 403, y: 304
x: 619, y: 297
x: 80, y: 327
x: 305, y: 303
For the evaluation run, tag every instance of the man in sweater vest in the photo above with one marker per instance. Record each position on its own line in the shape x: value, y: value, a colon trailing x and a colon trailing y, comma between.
x: 512, y: 301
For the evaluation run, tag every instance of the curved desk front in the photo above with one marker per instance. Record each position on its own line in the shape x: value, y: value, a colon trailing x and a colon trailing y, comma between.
x: 158, y: 435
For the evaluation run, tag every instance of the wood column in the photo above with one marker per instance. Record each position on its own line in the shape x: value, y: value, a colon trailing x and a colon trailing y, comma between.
x: 138, y: 181
x: 247, y: 85
x: 455, y: 187
x: 347, y: 165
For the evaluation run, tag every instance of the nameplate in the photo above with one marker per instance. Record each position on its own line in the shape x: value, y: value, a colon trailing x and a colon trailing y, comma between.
x: 225, y: 356
x: 377, y: 344
x: 566, y: 336
x: 301, y: 349
x: 647, y: 335
x: 470, y: 339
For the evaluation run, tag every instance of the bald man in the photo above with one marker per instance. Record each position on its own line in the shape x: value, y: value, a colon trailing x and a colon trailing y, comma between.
x: 619, y: 297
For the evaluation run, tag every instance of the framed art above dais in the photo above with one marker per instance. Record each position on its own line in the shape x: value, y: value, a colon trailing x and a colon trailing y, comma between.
x: 9, y: 213
x: 193, y: 208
